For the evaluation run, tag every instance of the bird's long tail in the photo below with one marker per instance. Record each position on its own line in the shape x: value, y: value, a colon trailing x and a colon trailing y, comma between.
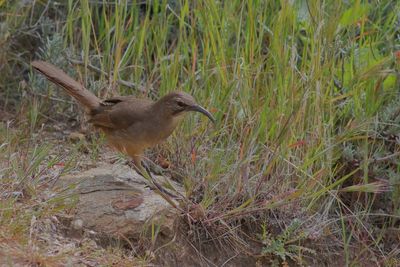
x: 72, y: 87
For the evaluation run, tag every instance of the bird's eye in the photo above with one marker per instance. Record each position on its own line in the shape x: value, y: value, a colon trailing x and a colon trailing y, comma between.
x: 181, y: 104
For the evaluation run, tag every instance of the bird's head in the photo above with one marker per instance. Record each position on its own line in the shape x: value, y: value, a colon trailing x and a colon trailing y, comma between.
x: 178, y: 103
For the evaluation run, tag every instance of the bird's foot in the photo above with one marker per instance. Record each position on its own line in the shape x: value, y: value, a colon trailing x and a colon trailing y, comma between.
x: 154, y: 185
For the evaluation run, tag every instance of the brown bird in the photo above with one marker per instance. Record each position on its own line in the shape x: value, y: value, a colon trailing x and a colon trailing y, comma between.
x: 130, y: 124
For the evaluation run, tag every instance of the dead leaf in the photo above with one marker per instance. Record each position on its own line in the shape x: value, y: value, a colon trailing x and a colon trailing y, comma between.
x: 127, y: 204
x: 76, y: 136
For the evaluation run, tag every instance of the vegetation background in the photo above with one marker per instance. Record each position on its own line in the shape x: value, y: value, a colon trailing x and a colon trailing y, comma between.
x: 303, y: 162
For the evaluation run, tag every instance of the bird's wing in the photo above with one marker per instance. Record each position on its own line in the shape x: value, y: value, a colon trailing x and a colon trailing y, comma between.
x: 121, y: 112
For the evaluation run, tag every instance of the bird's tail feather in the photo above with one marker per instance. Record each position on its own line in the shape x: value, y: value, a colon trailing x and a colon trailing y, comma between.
x: 72, y: 87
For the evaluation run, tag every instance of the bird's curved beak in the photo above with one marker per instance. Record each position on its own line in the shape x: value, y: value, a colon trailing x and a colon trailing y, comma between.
x: 200, y: 109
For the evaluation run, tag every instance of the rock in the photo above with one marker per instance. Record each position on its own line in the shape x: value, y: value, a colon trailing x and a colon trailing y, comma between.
x: 114, y: 201
x: 114, y: 206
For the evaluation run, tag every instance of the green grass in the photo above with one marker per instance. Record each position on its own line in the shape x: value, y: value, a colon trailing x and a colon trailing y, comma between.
x: 305, y: 94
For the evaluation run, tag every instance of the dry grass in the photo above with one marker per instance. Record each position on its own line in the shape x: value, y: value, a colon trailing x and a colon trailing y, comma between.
x: 302, y: 161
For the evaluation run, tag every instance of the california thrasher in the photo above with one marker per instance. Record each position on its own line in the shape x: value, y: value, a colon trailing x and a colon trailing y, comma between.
x: 130, y: 124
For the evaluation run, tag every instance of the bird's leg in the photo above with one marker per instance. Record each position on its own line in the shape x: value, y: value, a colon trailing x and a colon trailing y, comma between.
x: 158, y: 170
x: 147, y: 168
x: 143, y: 169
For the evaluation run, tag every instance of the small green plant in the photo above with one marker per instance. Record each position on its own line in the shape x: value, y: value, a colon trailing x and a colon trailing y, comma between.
x: 304, y: 92
x: 284, y: 244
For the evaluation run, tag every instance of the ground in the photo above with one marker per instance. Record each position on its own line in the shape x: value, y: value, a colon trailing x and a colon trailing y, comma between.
x: 301, y: 167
